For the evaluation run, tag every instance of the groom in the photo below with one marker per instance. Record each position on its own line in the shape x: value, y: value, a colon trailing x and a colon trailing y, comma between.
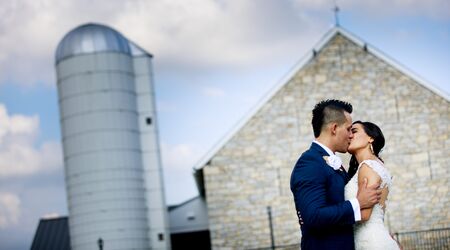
x: 318, y: 180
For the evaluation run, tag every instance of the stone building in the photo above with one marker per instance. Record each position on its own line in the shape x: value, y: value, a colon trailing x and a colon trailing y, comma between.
x: 250, y: 169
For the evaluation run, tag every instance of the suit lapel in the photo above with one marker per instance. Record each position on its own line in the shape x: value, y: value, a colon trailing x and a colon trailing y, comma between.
x: 322, y: 152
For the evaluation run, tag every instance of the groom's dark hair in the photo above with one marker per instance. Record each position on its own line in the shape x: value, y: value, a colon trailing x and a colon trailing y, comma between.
x: 327, y: 111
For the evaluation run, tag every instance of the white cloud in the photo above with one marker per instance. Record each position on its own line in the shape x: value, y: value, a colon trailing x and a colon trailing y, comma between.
x: 19, y: 126
x: 178, y: 161
x: 213, y: 92
x: 9, y: 209
x: 435, y: 9
x: 179, y: 156
x: 183, y: 34
x: 31, y: 30
x: 18, y: 153
x: 205, y: 33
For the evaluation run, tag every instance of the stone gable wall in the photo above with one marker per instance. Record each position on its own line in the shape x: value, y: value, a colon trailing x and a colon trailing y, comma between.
x: 252, y: 170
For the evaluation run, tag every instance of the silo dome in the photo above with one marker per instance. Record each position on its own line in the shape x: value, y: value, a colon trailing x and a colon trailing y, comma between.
x: 91, y: 38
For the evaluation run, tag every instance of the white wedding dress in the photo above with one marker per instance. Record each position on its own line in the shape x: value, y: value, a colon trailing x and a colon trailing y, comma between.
x: 372, y: 234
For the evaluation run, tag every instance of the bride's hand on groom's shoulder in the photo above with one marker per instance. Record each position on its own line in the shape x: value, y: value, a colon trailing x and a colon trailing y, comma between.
x: 368, y: 196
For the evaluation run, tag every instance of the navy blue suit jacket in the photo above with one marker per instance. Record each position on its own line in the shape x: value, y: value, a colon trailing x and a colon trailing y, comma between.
x: 318, y: 193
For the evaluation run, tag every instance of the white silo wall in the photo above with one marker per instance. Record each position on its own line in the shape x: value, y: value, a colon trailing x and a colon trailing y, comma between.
x: 102, y: 151
x: 159, y: 234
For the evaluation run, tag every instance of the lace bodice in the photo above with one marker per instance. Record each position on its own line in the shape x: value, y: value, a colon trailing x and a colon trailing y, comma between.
x: 378, y: 167
x: 351, y: 189
x: 372, y: 234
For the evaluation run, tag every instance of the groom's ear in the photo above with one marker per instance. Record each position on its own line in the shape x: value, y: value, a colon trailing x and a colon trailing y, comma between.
x: 333, y: 127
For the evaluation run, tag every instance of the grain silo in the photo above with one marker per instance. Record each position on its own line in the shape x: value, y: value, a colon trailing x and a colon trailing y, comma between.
x: 110, y: 142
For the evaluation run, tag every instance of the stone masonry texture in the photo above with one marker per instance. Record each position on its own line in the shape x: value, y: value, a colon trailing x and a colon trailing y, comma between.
x: 252, y: 170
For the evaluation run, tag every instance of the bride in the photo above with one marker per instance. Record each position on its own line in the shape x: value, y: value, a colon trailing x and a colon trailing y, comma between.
x: 367, y: 142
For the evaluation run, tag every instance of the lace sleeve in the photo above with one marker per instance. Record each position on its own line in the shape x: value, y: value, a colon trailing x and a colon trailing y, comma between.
x: 381, y: 171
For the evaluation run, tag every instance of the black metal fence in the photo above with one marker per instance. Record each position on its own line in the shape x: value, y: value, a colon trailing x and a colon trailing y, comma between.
x: 425, y: 239
x: 416, y: 240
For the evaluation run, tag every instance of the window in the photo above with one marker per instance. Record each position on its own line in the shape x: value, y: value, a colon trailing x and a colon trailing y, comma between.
x: 190, y: 216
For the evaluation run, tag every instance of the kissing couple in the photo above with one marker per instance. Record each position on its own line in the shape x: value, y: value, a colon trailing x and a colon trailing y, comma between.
x: 339, y: 209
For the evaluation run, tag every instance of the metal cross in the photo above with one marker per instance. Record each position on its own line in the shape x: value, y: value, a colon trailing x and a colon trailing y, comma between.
x: 336, y: 13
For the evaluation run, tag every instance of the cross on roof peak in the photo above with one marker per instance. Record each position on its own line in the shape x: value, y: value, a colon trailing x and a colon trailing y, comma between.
x: 336, y: 13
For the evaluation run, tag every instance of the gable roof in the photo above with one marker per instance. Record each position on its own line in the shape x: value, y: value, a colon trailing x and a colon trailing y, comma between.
x: 297, y: 67
x: 189, y: 216
x: 52, y: 233
x: 184, y: 203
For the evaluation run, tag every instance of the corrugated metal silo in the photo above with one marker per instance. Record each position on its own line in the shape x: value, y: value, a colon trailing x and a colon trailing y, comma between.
x: 104, y: 136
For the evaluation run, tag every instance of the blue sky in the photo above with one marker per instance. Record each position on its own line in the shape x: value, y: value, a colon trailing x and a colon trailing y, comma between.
x: 213, y: 61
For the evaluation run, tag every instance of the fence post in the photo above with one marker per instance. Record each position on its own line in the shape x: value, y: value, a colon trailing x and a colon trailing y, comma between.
x: 100, y: 243
x: 272, y: 242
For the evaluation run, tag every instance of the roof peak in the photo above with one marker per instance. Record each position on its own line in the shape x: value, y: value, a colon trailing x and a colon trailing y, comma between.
x: 298, y: 66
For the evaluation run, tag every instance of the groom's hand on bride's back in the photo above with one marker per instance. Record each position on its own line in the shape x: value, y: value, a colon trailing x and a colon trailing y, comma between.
x: 368, y: 196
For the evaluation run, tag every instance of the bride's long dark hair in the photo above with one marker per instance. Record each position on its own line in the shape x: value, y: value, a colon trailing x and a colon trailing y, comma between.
x: 375, y: 133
